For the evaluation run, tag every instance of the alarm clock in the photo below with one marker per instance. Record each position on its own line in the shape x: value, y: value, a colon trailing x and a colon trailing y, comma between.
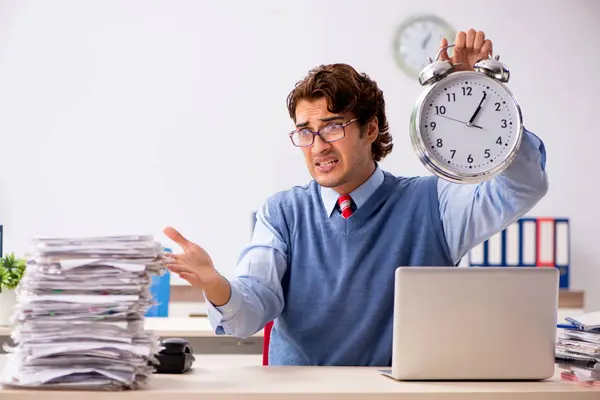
x: 466, y: 126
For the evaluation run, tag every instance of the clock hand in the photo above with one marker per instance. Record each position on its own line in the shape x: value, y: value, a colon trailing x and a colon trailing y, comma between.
x: 470, y: 123
x: 426, y: 41
x: 462, y: 122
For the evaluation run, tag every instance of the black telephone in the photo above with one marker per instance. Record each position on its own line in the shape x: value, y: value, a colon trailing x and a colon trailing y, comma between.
x: 177, y: 357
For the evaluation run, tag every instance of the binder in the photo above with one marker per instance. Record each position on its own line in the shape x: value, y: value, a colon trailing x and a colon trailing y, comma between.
x: 545, y: 242
x: 512, y: 240
x: 529, y: 242
x: 160, y: 289
x: 495, y: 250
x: 562, y: 255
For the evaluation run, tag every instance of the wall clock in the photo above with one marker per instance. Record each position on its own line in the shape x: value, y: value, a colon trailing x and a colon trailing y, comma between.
x: 416, y: 39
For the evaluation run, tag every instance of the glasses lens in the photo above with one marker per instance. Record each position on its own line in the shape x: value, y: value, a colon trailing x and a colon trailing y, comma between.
x: 302, y: 138
x: 332, y: 133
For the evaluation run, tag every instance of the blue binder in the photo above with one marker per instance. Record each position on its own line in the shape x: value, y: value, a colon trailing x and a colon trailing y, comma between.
x: 526, y: 241
x: 161, y: 294
x: 563, y: 260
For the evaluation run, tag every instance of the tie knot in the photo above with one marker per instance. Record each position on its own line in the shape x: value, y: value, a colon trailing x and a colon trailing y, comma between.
x: 345, y: 203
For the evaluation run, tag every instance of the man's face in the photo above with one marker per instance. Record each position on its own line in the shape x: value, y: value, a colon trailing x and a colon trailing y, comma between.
x: 343, y: 164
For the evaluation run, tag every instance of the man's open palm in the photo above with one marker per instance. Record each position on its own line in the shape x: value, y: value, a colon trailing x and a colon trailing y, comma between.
x: 194, y: 264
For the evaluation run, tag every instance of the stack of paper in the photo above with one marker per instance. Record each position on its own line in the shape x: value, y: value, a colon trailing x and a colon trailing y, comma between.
x: 79, y: 319
x: 578, y: 349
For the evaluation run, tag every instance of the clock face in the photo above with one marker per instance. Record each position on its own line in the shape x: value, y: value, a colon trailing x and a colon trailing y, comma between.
x: 469, y: 124
x: 417, y: 39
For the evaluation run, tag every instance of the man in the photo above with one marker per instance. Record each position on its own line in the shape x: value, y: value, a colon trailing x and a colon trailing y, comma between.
x: 322, y: 258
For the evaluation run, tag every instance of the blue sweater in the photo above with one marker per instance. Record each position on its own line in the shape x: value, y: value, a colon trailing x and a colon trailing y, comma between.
x: 343, y: 270
x: 328, y: 282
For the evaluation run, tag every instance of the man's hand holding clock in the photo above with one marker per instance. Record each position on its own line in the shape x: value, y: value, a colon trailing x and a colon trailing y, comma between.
x: 469, y: 47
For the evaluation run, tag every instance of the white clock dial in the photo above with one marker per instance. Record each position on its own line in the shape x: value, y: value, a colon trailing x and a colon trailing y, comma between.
x: 469, y: 125
x: 417, y: 39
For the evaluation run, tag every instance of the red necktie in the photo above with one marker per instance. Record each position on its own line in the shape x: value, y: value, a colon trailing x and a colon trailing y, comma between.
x: 345, y: 203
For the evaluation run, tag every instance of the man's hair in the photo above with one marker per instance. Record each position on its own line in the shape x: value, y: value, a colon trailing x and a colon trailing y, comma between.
x: 346, y: 90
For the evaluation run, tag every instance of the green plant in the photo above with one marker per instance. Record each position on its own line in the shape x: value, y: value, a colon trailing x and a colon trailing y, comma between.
x: 12, y: 269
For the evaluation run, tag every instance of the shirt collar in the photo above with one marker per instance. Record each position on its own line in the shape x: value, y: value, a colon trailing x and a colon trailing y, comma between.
x: 360, y: 195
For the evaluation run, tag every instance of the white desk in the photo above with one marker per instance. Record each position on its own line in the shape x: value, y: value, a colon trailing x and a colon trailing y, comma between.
x: 183, y: 327
x: 169, y: 327
x: 229, y: 377
x: 195, y: 330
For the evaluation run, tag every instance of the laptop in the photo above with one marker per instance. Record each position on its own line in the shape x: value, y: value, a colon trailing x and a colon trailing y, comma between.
x: 474, y: 323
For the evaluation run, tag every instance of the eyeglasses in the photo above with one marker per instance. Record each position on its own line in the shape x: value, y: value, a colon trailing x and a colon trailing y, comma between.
x: 329, y: 133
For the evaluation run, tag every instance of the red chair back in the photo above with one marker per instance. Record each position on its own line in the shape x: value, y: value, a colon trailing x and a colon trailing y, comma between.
x: 266, y: 341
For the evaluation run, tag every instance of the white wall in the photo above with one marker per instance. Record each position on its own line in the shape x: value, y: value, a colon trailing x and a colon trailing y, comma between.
x: 126, y: 116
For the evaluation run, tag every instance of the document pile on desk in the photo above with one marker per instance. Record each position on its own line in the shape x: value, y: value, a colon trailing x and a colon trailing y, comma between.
x: 79, y: 318
x: 578, y: 349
